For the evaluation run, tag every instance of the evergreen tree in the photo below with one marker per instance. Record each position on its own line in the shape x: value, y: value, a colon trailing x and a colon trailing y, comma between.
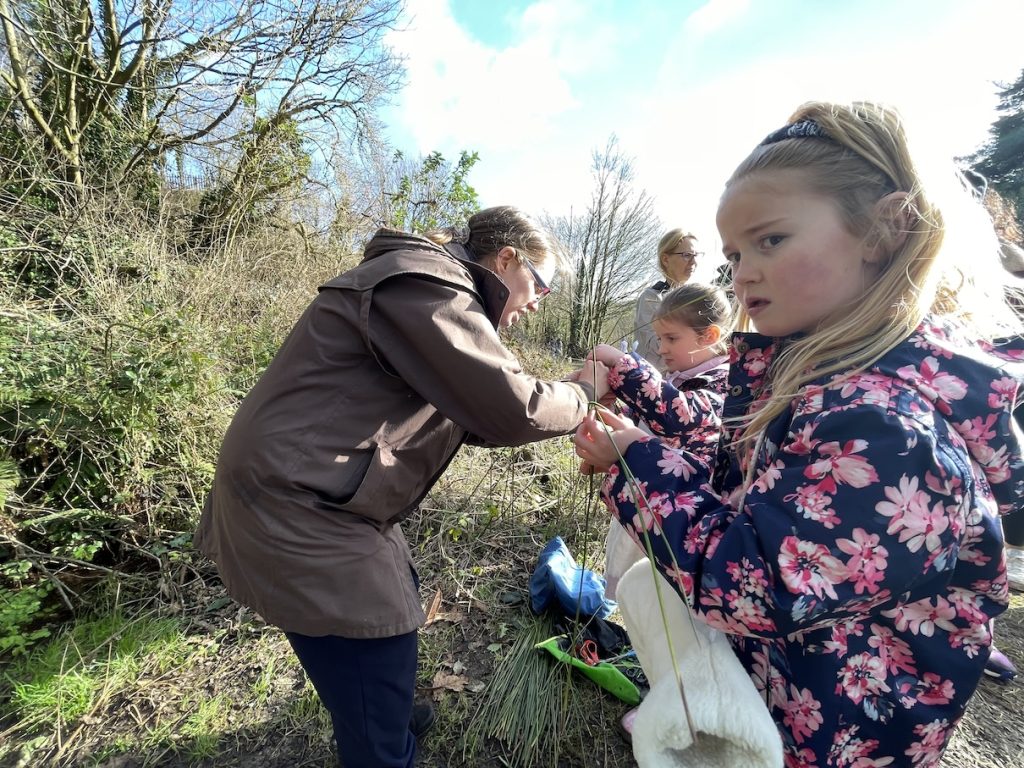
x: 1001, y: 160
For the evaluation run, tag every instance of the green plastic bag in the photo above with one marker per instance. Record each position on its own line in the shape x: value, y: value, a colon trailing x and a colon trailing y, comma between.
x: 607, y: 676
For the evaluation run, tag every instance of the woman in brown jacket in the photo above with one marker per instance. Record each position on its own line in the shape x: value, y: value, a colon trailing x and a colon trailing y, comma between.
x: 389, y: 370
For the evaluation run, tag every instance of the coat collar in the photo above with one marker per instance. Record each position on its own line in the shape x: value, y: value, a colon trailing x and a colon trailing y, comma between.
x: 411, y: 253
x: 750, y: 355
x: 492, y: 289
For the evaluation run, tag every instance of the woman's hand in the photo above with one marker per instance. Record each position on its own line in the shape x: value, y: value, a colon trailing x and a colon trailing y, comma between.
x: 602, y: 438
x: 606, y: 355
x: 596, y: 375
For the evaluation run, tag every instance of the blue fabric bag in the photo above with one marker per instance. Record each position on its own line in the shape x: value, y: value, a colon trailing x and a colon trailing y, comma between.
x: 558, y: 578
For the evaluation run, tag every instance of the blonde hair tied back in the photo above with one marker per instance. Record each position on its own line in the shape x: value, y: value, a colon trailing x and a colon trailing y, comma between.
x: 668, y: 243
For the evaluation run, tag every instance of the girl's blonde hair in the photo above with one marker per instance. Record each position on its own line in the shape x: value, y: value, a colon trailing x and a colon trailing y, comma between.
x: 668, y: 243
x: 491, y: 229
x: 864, y: 157
x: 699, y: 307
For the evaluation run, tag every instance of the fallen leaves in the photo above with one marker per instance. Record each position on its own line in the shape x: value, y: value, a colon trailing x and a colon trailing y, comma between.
x: 435, y: 606
x: 435, y: 615
x: 452, y: 676
x: 455, y: 681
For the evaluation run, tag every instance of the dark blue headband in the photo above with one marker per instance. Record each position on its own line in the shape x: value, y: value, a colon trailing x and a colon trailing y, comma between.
x: 808, y: 129
x: 805, y: 129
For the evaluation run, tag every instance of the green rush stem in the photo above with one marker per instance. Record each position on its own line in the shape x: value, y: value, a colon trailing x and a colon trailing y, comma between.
x: 583, y: 555
x: 631, y: 479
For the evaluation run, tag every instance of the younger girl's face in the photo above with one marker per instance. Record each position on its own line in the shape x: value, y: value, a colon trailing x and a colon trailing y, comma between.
x: 680, y: 346
x: 795, y: 265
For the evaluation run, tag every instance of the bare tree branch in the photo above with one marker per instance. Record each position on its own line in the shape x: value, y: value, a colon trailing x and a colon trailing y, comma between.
x: 164, y: 74
x: 612, y: 244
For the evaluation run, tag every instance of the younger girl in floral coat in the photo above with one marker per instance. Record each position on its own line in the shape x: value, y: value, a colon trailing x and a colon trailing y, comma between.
x: 848, y: 541
x: 681, y: 407
x: 684, y: 404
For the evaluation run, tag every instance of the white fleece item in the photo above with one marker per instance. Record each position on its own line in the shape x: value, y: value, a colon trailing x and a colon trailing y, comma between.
x: 734, y: 728
x: 620, y: 554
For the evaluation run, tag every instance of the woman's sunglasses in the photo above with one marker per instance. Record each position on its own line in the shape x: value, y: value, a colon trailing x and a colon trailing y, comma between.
x: 542, y: 288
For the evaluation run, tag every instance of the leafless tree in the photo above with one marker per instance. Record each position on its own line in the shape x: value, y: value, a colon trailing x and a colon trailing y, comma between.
x: 611, y: 245
x: 416, y: 194
x: 94, y: 89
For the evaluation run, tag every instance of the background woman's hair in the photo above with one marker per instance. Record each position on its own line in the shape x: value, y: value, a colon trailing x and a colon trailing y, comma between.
x: 488, y: 231
x: 698, y: 306
x: 668, y: 244
x: 866, y: 157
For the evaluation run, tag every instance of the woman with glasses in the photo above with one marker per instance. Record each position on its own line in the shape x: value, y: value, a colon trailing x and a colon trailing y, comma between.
x: 677, y: 258
x: 390, y: 369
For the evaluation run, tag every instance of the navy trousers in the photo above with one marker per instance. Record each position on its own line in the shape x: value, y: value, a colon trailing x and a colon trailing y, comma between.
x: 367, y: 687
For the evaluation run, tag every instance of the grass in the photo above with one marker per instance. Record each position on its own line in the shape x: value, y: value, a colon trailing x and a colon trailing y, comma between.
x: 264, y: 685
x: 78, y: 678
x: 62, y: 680
x: 203, y: 726
x: 305, y: 712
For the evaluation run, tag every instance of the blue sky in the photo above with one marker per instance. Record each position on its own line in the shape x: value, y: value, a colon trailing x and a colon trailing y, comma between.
x: 688, y: 87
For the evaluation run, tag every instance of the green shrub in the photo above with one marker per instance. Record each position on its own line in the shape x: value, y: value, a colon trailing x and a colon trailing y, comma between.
x: 122, y: 360
x: 98, y: 415
x: 112, y: 404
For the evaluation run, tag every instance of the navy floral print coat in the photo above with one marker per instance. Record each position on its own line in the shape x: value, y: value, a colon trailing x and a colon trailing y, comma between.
x: 857, y: 579
x: 684, y: 411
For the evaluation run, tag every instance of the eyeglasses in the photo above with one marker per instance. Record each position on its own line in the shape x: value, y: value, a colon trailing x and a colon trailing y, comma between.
x: 538, y: 281
x: 689, y: 255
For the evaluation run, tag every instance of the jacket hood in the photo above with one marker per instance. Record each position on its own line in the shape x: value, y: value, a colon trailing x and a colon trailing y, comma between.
x: 974, y: 385
x: 388, y: 240
x: 408, y: 252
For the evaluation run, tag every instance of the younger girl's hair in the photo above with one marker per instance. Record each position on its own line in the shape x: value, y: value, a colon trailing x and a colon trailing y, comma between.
x: 491, y: 229
x: 668, y: 243
x: 856, y: 155
x: 699, y: 307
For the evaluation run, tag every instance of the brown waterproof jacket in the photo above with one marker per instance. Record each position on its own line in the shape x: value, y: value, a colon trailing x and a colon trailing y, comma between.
x: 389, y: 369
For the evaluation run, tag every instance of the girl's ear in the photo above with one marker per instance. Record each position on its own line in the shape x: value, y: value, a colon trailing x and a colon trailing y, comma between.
x: 892, y: 225
x: 711, y: 336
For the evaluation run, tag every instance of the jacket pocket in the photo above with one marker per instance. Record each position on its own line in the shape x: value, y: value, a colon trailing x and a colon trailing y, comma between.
x: 355, y: 466
x: 375, y: 486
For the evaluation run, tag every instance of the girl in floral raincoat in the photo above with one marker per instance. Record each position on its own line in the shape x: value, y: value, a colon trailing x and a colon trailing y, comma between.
x: 848, y: 538
x: 683, y: 406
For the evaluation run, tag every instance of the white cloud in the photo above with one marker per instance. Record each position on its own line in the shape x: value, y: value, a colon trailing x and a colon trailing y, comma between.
x: 941, y: 83
x: 574, y: 31
x: 714, y: 15
x: 461, y: 93
x: 515, y: 105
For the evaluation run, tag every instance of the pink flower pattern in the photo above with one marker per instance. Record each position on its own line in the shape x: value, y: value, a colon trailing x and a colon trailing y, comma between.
x: 802, y: 713
x: 689, y: 414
